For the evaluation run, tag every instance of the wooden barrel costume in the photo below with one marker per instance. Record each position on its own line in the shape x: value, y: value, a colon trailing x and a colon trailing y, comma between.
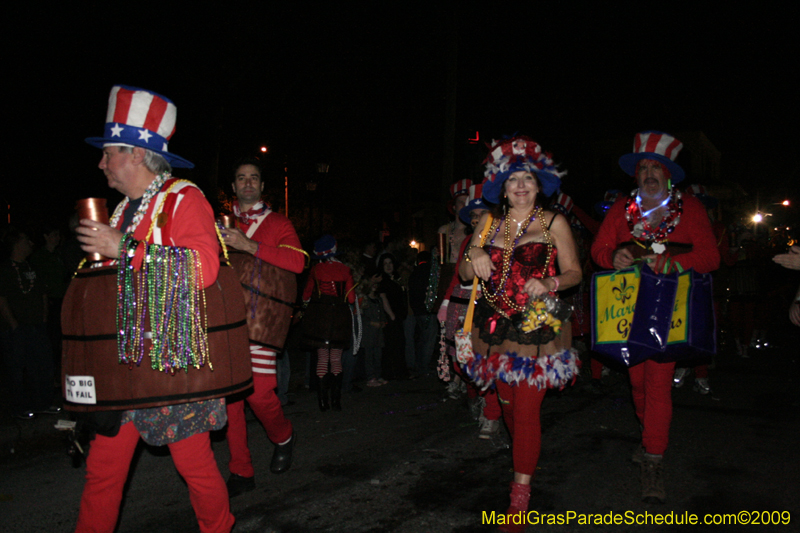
x: 269, y: 296
x: 327, y: 322
x: 90, y: 348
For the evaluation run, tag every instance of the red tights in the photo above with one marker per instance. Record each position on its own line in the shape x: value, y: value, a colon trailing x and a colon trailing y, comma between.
x: 521, y: 406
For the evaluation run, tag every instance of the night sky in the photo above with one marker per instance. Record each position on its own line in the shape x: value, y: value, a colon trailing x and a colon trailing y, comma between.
x: 364, y: 89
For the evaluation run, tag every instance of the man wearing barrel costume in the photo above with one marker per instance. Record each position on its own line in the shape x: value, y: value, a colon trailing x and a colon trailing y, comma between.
x: 267, y: 255
x: 163, y: 242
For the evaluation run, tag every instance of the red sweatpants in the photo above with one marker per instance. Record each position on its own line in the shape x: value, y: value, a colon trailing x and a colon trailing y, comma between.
x: 651, y: 386
x: 267, y: 408
x: 107, y: 469
x: 521, y: 408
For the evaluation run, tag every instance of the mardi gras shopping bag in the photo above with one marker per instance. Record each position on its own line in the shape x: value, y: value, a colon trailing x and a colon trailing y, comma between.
x: 613, y: 296
x: 655, y: 305
x: 693, y: 325
x: 631, y: 312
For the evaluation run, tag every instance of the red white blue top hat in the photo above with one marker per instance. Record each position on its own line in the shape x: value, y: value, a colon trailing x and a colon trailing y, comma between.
x: 138, y: 117
x: 459, y: 188
x: 658, y: 146
x: 507, y: 156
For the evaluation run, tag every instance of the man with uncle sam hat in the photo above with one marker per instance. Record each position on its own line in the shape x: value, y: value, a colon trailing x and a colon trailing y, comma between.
x: 168, y: 220
x: 653, y: 224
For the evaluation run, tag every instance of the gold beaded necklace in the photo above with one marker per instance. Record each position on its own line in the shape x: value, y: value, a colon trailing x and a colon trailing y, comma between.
x: 508, y: 251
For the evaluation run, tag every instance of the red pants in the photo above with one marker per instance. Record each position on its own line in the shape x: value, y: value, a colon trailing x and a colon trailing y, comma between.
x: 492, y: 409
x: 597, y: 368
x: 107, y: 469
x: 521, y: 408
x: 651, y: 386
x: 267, y: 408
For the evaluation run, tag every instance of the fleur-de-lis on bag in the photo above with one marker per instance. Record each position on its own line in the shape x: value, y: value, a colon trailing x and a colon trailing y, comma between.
x: 623, y: 292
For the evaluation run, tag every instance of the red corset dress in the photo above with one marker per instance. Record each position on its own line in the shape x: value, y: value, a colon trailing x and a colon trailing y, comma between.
x: 528, y: 261
x: 503, y: 352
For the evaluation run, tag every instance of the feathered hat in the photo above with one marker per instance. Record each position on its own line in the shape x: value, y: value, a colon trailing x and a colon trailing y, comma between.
x: 137, y: 117
x: 661, y: 147
x: 507, y: 156
x: 475, y: 202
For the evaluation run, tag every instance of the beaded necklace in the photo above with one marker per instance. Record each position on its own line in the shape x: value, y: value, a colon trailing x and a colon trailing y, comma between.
x: 168, y: 288
x: 433, y: 285
x: 499, y: 292
x: 637, y: 220
x: 31, y: 278
x: 148, y: 195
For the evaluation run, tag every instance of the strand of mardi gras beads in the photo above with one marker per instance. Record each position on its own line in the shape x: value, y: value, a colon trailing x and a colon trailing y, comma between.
x: 167, y: 289
x: 498, y: 291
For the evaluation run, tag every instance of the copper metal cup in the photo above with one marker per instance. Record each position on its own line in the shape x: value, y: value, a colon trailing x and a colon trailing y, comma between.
x: 227, y: 221
x: 93, y: 209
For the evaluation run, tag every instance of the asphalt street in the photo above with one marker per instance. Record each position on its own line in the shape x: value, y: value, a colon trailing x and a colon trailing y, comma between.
x: 400, y: 458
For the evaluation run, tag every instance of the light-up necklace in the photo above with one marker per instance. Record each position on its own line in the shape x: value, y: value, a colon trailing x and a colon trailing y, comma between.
x: 647, y: 213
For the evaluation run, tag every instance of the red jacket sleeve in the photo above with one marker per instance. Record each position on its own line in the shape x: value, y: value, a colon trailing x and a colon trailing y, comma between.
x: 193, y: 227
x: 695, y: 228
x: 189, y: 224
x: 612, y: 232
x: 277, y: 230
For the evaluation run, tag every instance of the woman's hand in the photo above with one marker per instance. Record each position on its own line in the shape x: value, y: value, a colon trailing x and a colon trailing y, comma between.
x: 789, y: 260
x: 794, y: 313
x: 536, y: 287
x: 481, y: 263
x: 99, y: 238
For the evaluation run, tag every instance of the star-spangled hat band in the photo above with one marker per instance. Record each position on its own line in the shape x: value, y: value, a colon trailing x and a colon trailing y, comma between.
x: 138, y: 117
x: 658, y: 146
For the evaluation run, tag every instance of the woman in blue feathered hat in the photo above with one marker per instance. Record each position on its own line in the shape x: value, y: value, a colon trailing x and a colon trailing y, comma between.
x: 527, y: 253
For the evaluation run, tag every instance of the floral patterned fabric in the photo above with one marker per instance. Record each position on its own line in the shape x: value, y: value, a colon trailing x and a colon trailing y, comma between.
x: 172, y: 423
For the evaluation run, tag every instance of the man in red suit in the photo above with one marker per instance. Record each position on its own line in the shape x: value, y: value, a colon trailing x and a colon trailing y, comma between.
x: 272, y: 256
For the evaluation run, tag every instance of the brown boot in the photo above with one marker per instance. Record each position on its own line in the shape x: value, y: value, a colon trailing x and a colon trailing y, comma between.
x: 516, y: 516
x: 653, y: 479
